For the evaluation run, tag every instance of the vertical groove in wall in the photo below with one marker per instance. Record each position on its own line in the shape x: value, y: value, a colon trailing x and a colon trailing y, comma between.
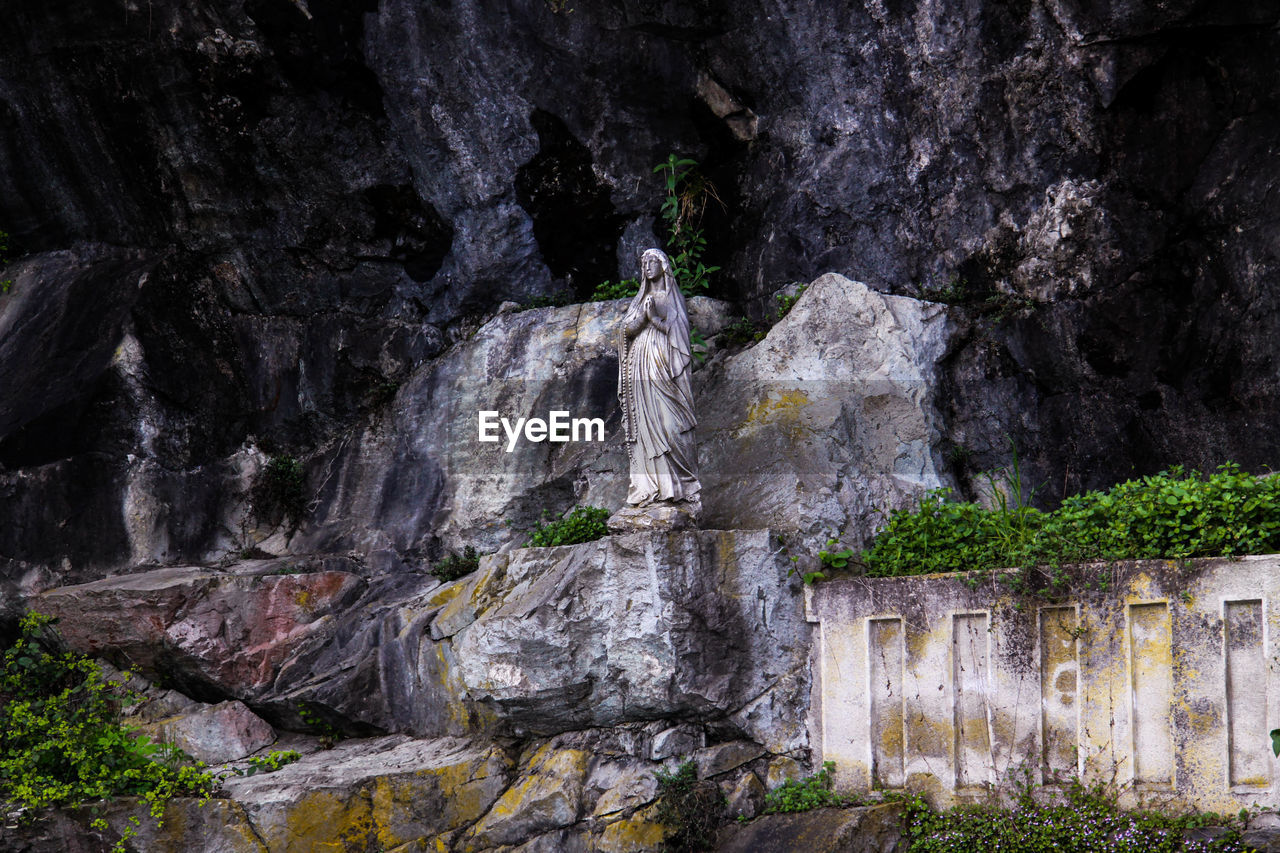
x: 1246, y: 692
x: 1059, y: 692
x: 885, y: 657
x: 1151, y: 685
x: 970, y: 682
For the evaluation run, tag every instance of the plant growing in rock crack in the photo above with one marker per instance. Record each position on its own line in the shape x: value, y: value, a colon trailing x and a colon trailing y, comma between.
x: 624, y: 289
x: 687, y: 194
x: 698, y: 344
x: 831, y: 560
x: 690, y: 809
x: 581, y: 524
x: 271, y: 762
x: 454, y: 566
x: 312, y: 719
x: 801, y: 795
x: 62, y: 743
x: 741, y: 332
x: 786, y: 301
x: 279, y: 492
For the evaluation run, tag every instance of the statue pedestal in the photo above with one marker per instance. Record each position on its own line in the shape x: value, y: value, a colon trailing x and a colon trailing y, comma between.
x: 658, y: 516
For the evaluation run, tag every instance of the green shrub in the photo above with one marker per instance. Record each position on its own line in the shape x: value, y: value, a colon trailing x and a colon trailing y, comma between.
x: 1085, y: 820
x: 61, y: 740
x: 741, y: 332
x: 691, y: 810
x: 1170, y: 515
x: 582, y: 524
x: 687, y: 193
x: 454, y: 566
x: 607, y: 290
x: 280, y: 491
x: 801, y: 795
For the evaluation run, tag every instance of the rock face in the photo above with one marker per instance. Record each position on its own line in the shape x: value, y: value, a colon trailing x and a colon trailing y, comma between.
x: 637, y: 627
x: 827, y: 422
x: 419, y: 475
x: 830, y: 420
x: 539, y: 641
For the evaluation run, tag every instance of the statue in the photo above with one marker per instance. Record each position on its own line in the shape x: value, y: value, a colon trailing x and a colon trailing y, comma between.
x: 654, y: 366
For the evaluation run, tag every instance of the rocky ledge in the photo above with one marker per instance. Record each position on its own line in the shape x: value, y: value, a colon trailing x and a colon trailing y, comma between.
x: 530, y: 703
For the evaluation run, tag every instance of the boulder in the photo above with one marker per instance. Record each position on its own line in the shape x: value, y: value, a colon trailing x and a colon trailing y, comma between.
x: 213, y: 633
x: 822, y: 426
x: 388, y: 791
x: 217, y: 826
x: 214, y: 734
x: 830, y: 421
x: 547, y: 797
x: 746, y: 798
x: 648, y: 626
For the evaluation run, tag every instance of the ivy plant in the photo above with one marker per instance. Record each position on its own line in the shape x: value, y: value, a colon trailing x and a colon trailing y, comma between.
x: 62, y: 743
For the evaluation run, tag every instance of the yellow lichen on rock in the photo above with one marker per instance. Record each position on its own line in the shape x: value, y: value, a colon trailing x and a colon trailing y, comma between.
x: 640, y: 832
x: 785, y: 409
x: 323, y: 823
x: 548, y: 796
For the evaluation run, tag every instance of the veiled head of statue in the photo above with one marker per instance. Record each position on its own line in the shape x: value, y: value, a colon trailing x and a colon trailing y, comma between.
x: 653, y: 262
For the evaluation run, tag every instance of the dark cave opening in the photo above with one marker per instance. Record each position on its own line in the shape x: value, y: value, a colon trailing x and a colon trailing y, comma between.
x: 574, y: 220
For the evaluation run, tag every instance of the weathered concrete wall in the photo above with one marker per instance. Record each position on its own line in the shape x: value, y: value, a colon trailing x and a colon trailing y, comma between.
x: 1159, y: 677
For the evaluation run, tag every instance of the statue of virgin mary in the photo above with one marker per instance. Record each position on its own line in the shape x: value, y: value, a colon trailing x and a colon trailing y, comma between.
x: 654, y: 365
